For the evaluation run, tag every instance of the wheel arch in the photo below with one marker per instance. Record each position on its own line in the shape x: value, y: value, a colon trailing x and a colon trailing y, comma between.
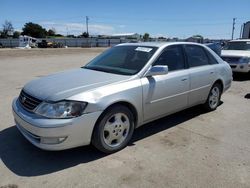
x: 219, y: 81
x: 130, y: 106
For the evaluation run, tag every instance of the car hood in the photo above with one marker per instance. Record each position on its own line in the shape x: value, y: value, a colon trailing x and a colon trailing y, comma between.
x: 62, y: 85
x: 235, y: 53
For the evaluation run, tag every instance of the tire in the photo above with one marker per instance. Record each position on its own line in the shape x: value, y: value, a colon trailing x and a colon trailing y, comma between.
x: 114, y: 129
x: 213, y: 99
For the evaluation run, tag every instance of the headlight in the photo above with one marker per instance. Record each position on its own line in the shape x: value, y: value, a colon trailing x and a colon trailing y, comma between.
x: 244, y: 60
x: 63, y: 109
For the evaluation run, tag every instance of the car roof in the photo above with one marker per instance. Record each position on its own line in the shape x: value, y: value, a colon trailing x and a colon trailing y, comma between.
x: 157, y: 44
x: 240, y: 40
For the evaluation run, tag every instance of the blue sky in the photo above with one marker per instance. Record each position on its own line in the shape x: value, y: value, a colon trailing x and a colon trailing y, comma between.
x: 170, y: 18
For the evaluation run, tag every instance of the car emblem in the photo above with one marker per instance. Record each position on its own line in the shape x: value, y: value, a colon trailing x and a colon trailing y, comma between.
x: 23, y: 99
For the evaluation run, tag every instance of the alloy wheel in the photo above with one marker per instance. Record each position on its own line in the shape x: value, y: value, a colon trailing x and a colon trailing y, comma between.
x: 214, y: 97
x: 116, y: 129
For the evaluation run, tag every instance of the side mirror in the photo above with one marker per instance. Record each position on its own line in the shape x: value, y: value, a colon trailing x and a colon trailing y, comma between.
x: 157, y: 70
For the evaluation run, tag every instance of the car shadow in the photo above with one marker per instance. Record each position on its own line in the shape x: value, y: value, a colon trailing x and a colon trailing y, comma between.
x: 247, y: 96
x: 241, y: 77
x: 167, y: 122
x: 24, y: 159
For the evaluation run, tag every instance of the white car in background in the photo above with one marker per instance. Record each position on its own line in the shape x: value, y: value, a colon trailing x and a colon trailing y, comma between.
x: 237, y: 55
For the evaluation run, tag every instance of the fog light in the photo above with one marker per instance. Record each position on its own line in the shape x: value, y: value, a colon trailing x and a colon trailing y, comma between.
x: 54, y: 140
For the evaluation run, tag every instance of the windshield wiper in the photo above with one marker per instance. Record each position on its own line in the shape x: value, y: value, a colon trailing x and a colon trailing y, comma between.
x: 98, y: 69
x: 112, y: 71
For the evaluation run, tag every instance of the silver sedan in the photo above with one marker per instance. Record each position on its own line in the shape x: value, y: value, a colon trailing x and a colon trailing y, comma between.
x: 121, y: 89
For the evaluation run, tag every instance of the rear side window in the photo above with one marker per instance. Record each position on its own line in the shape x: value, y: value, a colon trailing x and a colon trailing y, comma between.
x: 211, y: 58
x: 173, y: 57
x: 196, y: 56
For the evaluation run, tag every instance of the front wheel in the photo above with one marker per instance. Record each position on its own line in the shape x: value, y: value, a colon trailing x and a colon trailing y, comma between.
x: 214, y: 96
x: 114, y: 129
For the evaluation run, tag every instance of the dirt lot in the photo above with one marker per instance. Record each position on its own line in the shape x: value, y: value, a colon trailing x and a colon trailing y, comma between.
x: 187, y: 149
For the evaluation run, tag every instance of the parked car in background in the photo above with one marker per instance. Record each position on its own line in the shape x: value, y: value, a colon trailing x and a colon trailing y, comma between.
x: 121, y: 89
x: 46, y: 44
x: 216, y: 47
x: 237, y: 54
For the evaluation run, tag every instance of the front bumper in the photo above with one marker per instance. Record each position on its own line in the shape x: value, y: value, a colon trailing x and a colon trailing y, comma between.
x: 72, y: 132
x: 244, y: 68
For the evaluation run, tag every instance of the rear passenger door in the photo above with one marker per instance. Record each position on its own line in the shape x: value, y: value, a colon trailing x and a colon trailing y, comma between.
x: 202, y: 73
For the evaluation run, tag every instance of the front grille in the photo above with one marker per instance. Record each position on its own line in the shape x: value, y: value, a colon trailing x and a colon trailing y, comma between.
x: 28, y: 102
x: 231, y: 59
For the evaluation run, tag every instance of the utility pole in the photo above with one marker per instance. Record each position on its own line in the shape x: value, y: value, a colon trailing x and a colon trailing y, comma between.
x: 87, y: 24
x: 233, y: 28
x: 241, y: 29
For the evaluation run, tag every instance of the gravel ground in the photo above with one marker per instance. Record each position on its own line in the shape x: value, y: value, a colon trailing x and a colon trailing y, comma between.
x: 187, y: 149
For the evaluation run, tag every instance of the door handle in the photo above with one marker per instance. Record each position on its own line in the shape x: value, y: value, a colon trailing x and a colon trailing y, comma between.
x: 183, y: 79
x: 211, y: 72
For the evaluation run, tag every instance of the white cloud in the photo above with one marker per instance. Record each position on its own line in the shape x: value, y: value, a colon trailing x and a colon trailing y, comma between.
x: 78, y: 28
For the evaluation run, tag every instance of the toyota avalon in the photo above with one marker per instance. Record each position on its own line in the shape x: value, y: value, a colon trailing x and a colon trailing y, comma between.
x: 123, y: 88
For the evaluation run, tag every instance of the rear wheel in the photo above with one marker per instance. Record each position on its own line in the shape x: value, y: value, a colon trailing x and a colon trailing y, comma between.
x: 114, y: 129
x: 214, y: 96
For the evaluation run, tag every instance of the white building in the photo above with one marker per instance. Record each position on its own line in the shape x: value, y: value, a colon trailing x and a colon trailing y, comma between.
x: 126, y: 36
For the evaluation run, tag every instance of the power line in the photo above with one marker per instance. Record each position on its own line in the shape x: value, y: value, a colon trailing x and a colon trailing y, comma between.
x: 107, y: 19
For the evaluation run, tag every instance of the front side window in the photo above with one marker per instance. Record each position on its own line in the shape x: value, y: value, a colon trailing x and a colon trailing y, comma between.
x: 125, y: 60
x: 196, y: 56
x: 172, y: 57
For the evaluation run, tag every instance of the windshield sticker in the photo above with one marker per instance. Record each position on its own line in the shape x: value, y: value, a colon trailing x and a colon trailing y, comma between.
x: 143, y: 49
x: 248, y: 42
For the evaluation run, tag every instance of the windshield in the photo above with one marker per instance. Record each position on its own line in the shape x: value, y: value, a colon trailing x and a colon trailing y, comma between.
x: 125, y: 60
x: 241, y: 45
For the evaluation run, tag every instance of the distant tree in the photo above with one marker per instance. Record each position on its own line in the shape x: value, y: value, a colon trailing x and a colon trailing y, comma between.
x: 52, y: 32
x: 7, y: 29
x: 145, y: 37
x: 34, y: 30
x: 16, y: 34
x: 58, y: 35
x: 175, y: 39
x: 162, y: 38
x: 85, y: 35
x: 71, y: 36
x: 197, y: 36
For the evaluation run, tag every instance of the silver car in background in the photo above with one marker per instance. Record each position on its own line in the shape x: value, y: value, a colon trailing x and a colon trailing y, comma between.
x: 119, y: 90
